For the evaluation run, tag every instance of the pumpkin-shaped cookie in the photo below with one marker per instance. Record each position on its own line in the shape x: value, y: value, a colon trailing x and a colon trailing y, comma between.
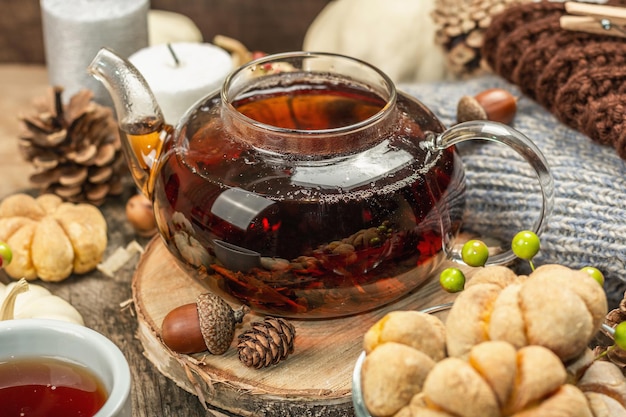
x: 555, y: 307
x: 497, y: 380
x: 51, y: 239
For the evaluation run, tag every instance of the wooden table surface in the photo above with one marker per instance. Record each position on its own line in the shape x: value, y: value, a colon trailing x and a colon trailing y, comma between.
x: 100, y: 299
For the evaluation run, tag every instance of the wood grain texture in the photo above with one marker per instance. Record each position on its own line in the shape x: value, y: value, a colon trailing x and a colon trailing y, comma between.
x: 314, y: 380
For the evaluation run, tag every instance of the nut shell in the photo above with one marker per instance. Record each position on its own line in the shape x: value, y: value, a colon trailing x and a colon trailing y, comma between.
x: 180, y: 330
x: 495, y: 104
x: 499, y: 104
x: 140, y: 215
x: 606, y: 378
x: 469, y: 109
x: 604, y: 406
x: 217, y: 322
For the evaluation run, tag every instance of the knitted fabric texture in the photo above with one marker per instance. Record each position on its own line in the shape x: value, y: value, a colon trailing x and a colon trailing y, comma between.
x: 500, y: 27
x: 573, y: 58
x: 577, y: 76
x: 588, y: 223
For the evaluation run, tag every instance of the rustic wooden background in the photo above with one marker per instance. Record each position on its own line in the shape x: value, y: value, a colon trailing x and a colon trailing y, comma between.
x: 266, y: 25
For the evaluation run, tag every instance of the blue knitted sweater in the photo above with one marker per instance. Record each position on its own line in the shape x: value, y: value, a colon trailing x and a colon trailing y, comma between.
x: 588, y: 223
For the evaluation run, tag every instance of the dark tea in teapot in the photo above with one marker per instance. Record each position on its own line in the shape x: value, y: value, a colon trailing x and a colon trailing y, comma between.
x: 327, y: 230
x: 311, y: 106
x: 308, y: 186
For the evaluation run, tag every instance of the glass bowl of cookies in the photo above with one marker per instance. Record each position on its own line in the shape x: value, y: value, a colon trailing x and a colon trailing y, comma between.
x: 508, y: 344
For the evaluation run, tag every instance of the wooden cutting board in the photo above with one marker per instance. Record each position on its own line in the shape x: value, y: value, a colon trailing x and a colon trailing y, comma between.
x: 315, y: 380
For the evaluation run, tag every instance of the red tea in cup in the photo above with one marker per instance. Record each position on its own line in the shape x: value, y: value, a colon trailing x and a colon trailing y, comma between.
x: 49, y: 387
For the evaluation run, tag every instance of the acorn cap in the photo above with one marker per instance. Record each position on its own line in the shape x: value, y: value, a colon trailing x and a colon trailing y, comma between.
x: 217, y: 322
x: 469, y: 109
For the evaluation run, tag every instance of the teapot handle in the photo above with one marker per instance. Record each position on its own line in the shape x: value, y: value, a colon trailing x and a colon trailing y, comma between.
x: 501, y: 133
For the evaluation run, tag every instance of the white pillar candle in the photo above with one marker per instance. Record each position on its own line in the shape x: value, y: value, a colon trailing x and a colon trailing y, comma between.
x: 200, y: 70
x: 74, y: 31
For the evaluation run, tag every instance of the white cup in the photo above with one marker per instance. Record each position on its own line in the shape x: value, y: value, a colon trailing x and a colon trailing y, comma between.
x: 31, y: 338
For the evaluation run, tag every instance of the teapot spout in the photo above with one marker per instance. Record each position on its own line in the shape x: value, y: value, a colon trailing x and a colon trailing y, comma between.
x: 143, y: 128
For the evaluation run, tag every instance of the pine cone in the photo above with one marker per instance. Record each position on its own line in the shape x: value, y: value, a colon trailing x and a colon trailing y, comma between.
x: 75, y: 148
x: 266, y: 343
x: 460, y: 26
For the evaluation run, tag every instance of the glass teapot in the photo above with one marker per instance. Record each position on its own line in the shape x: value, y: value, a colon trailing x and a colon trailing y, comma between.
x: 307, y: 187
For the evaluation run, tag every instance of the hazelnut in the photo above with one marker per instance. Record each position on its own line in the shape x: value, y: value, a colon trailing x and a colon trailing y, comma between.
x: 140, y: 215
x: 495, y: 104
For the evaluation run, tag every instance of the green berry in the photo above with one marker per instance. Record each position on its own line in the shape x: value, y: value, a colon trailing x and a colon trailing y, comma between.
x: 620, y: 335
x: 452, y: 279
x: 6, y: 255
x: 594, y: 273
x: 525, y: 245
x: 475, y: 253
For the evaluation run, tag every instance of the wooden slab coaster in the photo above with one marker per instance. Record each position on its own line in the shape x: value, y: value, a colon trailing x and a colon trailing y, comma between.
x: 314, y: 380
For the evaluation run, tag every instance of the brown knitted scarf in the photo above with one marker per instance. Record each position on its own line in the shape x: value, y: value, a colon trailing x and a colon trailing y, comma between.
x: 579, y: 77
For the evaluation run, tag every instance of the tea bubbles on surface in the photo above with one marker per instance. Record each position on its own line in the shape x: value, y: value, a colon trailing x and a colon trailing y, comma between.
x: 315, y: 200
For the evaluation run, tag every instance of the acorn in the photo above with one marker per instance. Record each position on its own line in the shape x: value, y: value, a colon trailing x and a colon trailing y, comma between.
x: 208, y: 324
x: 495, y: 104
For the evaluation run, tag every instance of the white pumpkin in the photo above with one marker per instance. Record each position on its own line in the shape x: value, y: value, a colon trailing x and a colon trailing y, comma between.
x: 170, y: 27
x: 20, y: 300
x: 397, y: 36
